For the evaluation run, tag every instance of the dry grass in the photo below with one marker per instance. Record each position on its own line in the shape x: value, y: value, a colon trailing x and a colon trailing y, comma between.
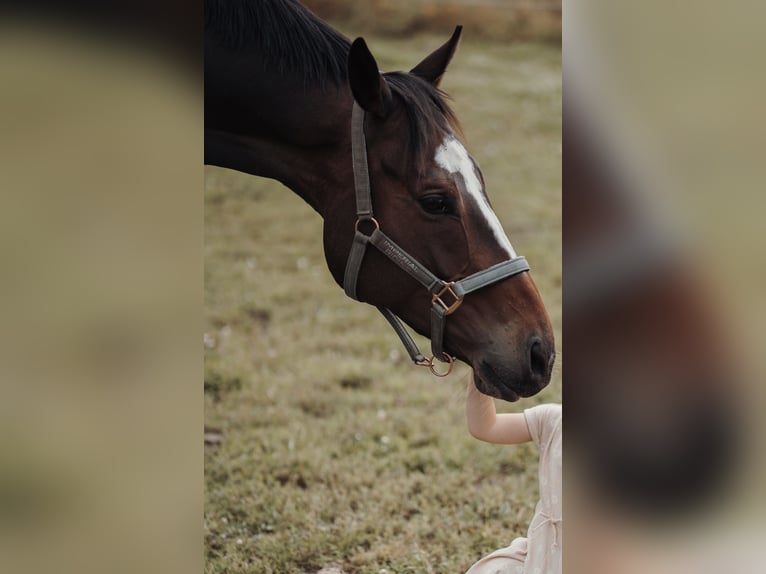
x: 506, y: 20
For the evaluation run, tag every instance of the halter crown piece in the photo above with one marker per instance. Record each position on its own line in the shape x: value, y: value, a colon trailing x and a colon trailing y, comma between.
x: 453, y: 291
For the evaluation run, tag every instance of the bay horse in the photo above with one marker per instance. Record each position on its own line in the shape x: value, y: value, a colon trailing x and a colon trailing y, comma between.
x: 281, y: 87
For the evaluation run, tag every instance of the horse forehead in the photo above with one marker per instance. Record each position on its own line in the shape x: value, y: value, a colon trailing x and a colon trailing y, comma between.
x: 452, y: 156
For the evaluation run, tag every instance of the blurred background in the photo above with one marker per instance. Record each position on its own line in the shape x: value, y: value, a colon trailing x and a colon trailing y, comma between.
x: 504, y: 20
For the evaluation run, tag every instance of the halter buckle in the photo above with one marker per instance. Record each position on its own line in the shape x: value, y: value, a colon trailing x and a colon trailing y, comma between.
x: 447, y: 289
x: 430, y: 363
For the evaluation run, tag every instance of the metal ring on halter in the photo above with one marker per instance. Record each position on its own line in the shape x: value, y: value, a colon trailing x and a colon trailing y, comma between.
x: 430, y: 364
x: 372, y: 219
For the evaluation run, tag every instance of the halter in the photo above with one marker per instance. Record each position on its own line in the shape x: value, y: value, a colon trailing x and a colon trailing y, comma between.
x: 446, y: 296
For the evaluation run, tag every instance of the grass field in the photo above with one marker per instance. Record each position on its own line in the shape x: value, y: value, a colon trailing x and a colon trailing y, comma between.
x: 334, y: 450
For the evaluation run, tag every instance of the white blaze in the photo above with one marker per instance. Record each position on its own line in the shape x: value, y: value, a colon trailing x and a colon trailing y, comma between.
x: 453, y: 157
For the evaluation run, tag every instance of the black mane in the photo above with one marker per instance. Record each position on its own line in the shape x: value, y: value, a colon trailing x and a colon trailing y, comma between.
x: 297, y: 41
x: 284, y: 30
x: 428, y: 114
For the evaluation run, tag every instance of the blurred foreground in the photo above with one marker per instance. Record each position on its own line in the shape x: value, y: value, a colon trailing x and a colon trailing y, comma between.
x: 663, y: 288
x: 100, y: 298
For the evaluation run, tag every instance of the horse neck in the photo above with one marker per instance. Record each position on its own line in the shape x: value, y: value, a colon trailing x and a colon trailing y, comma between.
x: 261, y: 123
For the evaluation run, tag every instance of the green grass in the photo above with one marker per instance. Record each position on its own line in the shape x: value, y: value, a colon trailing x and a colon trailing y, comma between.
x: 334, y: 448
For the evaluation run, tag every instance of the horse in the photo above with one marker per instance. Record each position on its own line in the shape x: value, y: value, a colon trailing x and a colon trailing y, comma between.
x: 408, y: 226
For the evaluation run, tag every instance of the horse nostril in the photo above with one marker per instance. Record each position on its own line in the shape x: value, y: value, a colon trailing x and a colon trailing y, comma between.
x: 538, y: 361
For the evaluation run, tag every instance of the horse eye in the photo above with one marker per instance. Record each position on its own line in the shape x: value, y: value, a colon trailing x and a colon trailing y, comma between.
x: 437, y: 204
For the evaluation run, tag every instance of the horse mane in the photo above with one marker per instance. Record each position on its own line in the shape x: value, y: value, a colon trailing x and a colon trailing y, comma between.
x: 428, y: 112
x: 296, y: 41
x: 283, y: 31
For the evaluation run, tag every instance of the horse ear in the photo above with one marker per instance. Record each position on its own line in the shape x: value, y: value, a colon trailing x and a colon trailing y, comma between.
x: 369, y: 88
x: 432, y: 68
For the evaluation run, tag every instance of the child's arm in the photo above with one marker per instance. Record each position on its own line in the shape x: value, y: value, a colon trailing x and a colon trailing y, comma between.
x: 485, y: 424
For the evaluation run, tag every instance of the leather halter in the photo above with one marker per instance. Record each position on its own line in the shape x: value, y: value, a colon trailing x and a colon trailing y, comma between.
x: 453, y: 291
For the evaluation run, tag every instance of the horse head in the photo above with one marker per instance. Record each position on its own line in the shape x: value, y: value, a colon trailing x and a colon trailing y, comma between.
x: 429, y: 197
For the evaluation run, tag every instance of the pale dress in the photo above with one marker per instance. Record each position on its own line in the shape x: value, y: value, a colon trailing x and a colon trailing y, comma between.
x: 540, y: 551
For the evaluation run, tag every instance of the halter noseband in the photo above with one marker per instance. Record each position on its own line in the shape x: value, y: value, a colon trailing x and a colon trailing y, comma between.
x: 452, y: 291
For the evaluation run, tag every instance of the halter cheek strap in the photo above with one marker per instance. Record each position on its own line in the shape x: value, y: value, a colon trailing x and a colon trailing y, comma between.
x: 446, y: 296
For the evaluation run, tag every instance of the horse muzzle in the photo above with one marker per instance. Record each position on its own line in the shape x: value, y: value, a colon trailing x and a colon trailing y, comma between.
x: 512, y: 375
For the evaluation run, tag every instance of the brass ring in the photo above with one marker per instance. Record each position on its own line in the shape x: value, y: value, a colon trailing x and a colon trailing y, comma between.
x: 449, y: 369
x: 372, y: 219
